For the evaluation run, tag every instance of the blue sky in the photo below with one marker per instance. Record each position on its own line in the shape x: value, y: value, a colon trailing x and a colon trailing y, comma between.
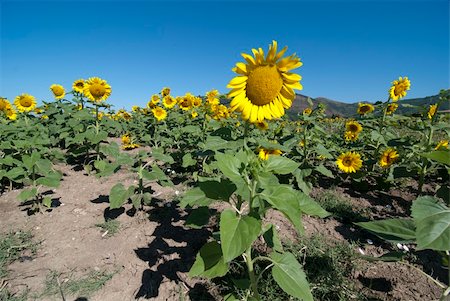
x: 351, y: 50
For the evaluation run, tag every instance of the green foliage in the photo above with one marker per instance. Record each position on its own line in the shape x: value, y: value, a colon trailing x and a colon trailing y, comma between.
x: 12, y: 245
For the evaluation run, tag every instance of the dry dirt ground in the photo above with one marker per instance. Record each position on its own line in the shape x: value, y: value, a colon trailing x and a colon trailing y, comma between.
x: 152, y: 252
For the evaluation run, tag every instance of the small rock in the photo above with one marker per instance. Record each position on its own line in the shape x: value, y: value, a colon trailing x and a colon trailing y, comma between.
x: 361, y: 251
x: 177, y: 192
x: 405, y: 248
x: 369, y: 241
x: 400, y: 246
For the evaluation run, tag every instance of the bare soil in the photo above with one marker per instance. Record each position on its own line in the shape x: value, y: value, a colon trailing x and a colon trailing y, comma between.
x: 153, y: 251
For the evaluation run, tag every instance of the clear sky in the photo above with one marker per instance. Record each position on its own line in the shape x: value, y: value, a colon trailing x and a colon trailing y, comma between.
x: 351, y: 50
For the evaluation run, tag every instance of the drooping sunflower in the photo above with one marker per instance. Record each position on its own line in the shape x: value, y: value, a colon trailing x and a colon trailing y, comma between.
x: 399, y: 88
x: 432, y: 111
x: 353, y: 126
x: 97, y: 89
x: 58, y: 91
x: 159, y: 113
x: 265, y: 153
x: 388, y: 157
x: 349, y: 162
x: 169, y: 102
x: 264, y: 86
x: 165, y: 91
x: 25, y: 103
x: 442, y: 145
x: 78, y: 86
x: 391, y: 108
x: 365, y: 108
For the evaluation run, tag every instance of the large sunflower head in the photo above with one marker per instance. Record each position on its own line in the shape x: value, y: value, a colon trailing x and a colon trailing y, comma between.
x: 264, y: 86
x: 78, y: 85
x: 365, y: 108
x: 432, y: 111
x: 97, y: 89
x: 388, y: 157
x: 159, y: 113
x: 25, y: 103
x: 58, y: 91
x: 353, y: 126
x: 399, y: 88
x: 349, y: 162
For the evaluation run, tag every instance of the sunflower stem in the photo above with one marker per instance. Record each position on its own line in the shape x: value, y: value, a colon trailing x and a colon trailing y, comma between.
x: 97, y: 130
x: 251, y: 273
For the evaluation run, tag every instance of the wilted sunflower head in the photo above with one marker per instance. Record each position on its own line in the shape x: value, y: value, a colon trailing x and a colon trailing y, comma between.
x: 265, y: 153
x: 399, y: 88
x: 25, y: 103
x: 388, y: 157
x: 365, y: 108
x: 165, y: 91
x: 349, y: 162
x: 78, y: 85
x: 353, y: 126
x: 58, y: 91
x: 97, y: 89
x: 432, y: 111
x: 264, y: 86
x: 391, y: 108
x: 159, y: 113
x: 442, y: 145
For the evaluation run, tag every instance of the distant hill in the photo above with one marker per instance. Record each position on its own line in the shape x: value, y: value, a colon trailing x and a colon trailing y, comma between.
x: 339, y: 108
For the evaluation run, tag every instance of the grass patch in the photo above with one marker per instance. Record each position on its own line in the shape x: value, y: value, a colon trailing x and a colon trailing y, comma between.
x: 82, y: 287
x: 5, y: 295
x: 111, y: 227
x: 340, y: 207
x: 12, y: 246
x: 329, y: 268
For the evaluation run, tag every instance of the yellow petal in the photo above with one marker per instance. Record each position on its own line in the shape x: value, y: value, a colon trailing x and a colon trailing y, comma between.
x: 261, y: 114
x: 241, y: 68
x: 296, y: 85
x: 272, y: 51
x: 235, y: 92
x: 287, y: 92
x: 291, y: 77
x: 249, y: 59
x: 280, y: 54
x: 254, y: 114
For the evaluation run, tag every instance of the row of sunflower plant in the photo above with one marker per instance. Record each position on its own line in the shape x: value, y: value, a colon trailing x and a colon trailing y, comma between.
x: 238, y: 149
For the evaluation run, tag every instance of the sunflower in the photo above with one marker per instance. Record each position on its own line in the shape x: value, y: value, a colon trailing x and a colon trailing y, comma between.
x: 135, y: 109
x: 353, y: 127
x: 349, y: 162
x: 78, y: 86
x: 350, y: 136
x: 391, y: 108
x: 155, y: 99
x: 127, y: 142
x: 264, y: 86
x: 4, y: 104
x: 25, y: 103
x: 159, y: 113
x: 126, y: 139
x: 58, y: 91
x: 11, y: 113
x: 169, y: 102
x: 432, y: 111
x: 212, y: 94
x: 165, y: 91
x: 365, y: 108
x: 265, y: 153
x: 186, y: 102
x: 194, y: 114
x: 196, y: 102
x: 442, y: 145
x: 307, y: 111
x: 399, y: 88
x: 97, y: 89
x: 263, y: 125
x: 388, y: 157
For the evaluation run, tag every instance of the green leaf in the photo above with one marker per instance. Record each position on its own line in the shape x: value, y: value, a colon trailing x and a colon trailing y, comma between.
x: 159, y: 155
x: 118, y: 196
x: 441, y: 156
x: 272, y: 239
x: 209, y: 262
x: 15, y: 173
x: 195, y: 197
x: 237, y: 233
x: 216, y: 143
x: 51, y: 180
x: 27, y: 194
x: 44, y: 166
x: 310, y: 207
x: 229, y: 166
x: 198, y: 217
x: 289, y: 275
x: 136, y: 200
x: 281, y: 165
x: 188, y: 161
x: 323, y: 151
x: 394, y: 230
x: 155, y: 174
x: 47, y: 201
x: 432, y: 219
x: 325, y: 171
x: 100, y: 165
x: 218, y: 190
x: 388, y: 257
x: 285, y: 199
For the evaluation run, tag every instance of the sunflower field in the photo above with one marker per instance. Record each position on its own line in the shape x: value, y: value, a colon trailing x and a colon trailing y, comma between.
x: 233, y: 160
